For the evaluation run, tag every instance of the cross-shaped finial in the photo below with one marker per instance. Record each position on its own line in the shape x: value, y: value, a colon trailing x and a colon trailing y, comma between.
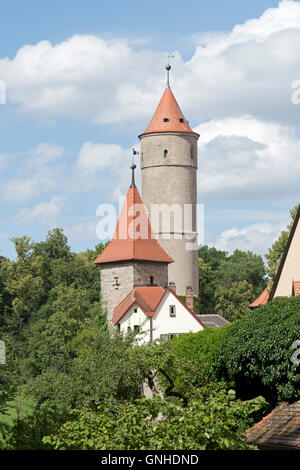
x: 168, y: 68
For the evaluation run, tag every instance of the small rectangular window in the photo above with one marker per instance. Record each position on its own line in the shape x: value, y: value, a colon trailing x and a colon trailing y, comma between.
x: 172, y: 310
x: 181, y: 120
x: 136, y: 327
x: 151, y: 280
x: 166, y: 119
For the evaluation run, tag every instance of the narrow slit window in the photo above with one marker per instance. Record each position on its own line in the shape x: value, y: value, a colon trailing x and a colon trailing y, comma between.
x: 172, y: 310
x: 151, y: 280
x: 165, y: 153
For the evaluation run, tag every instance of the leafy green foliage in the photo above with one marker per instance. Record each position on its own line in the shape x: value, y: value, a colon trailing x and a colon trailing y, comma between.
x: 217, y: 274
x: 213, y: 422
x: 233, y: 302
x: 255, y: 357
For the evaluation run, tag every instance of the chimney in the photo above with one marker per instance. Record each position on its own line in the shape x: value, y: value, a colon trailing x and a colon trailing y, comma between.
x: 172, y: 287
x: 189, y: 298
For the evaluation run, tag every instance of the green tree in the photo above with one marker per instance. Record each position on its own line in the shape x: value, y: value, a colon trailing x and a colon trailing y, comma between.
x: 233, y: 302
x: 214, y: 422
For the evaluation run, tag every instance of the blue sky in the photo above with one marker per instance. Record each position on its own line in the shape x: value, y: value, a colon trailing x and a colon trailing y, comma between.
x: 83, y: 80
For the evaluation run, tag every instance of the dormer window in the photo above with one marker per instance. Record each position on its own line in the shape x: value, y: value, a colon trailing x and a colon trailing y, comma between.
x: 166, y: 119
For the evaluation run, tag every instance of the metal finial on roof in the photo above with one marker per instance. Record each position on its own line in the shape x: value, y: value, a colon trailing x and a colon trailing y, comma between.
x: 168, y: 68
x: 133, y: 167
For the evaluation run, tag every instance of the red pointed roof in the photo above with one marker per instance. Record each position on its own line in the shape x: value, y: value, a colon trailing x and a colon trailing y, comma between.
x: 168, y: 116
x: 133, y: 238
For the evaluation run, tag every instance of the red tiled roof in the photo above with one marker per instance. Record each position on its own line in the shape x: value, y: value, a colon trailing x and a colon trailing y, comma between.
x: 296, y: 287
x: 168, y: 116
x: 148, y: 298
x: 262, y: 299
x: 133, y: 238
x: 280, y: 428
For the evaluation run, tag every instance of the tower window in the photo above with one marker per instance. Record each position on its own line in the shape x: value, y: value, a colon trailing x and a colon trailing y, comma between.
x: 151, y: 280
x: 166, y: 119
x: 165, y: 153
x: 116, y: 283
x: 181, y: 120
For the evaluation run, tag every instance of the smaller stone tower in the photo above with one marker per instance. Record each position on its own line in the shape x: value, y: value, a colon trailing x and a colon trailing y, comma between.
x: 133, y: 257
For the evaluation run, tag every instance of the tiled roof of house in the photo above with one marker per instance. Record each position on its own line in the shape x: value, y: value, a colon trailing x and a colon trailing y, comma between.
x: 262, y: 299
x: 296, y: 287
x: 213, y: 321
x: 281, y: 428
x: 148, y: 298
x: 168, y: 116
x: 133, y: 238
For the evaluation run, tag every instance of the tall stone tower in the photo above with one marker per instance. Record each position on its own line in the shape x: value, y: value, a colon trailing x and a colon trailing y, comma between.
x: 169, y: 162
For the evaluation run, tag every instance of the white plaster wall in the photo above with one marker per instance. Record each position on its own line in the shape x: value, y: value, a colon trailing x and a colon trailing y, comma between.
x: 163, y: 324
x: 136, y: 318
x: 184, y: 322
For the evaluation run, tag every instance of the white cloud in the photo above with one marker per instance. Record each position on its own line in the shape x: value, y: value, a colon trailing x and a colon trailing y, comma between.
x: 5, y: 159
x: 44, y: 212
x: 35, y: 174
x: 95, y: 157
x: 82, y: 230
x: 93, y: 162
x: 248, y: 70
x: 257, y: 238
x: 44, y: 153
x: 248, y: 159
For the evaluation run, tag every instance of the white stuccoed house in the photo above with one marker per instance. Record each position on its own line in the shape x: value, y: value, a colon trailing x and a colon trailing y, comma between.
x: 159, y: 312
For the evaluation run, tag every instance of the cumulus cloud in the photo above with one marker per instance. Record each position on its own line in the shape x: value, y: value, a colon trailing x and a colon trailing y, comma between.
x: 248, y: 70
x: 82, y: 230
x: 257, y: 237
x: 44, y: 212
x: 35, y: 174
x: 247, y: 159
x: 96, y: 158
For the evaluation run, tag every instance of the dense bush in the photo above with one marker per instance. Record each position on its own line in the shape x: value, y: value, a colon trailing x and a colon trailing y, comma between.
x: 256, y: 354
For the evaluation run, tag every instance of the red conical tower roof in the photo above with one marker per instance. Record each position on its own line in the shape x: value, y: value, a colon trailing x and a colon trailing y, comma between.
x: 168, y: 116
x: 133, y: 238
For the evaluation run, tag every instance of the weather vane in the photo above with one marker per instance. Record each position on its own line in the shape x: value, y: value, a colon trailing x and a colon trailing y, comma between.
x: 168, y: 68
